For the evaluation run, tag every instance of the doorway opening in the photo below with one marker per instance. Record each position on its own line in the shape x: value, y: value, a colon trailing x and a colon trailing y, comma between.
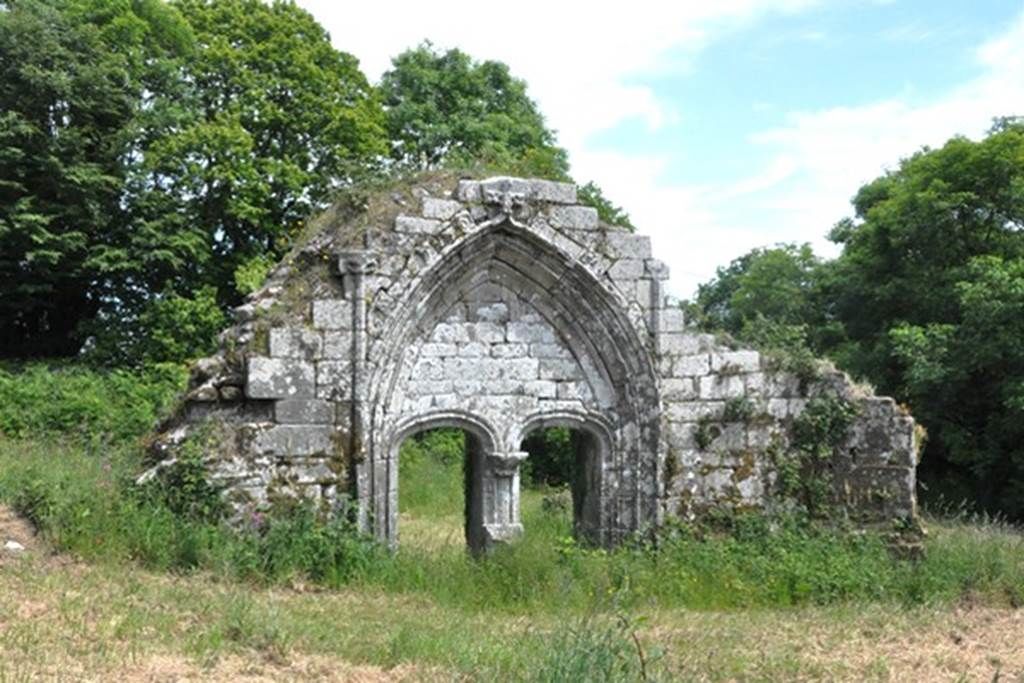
x: 438, y: 490
x: 561, y: 483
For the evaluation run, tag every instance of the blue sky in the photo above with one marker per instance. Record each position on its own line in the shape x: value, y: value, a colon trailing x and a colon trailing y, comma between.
x: 729, y: 125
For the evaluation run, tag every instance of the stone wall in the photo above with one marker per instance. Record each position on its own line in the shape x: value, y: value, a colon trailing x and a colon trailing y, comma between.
x: 500, y: 306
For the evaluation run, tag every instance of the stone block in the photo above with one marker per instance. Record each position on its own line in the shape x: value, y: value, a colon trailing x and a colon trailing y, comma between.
x: 629, y: 245
x: 529, y: 332
x: 548, y: 350
x: 337, y: 345
x: 332, y: 314
x: 449, y: 333
x: 334, y: 374
x: 432, y: 350
x: 678, y: 389
x: 573, y: 217
x: 671, y: 319
x: 295, y: 440
x: 722, y: 386
x: 626, y: 269
x: 468, y: 191
x: 691, y: 411
x: 504, y: 184
x: 469, y: 387
x: 414, y: 225
x: 655, y: 269
x: 494, y: 313
x: 482, y: 369
x: 474, y: 350
x: 440, y: 209
x: 295, y: 342
x: 550, y: 191
x: 756, y: 384
x: 304, y: 411
x: 778, y: 408
x: 574, y: 391
x: 679, y: 344
x: 643, y: 293
x: 428, y: 387
x: 692, y: 366
x: 313, y: 472
x: 559, y: 370
x: 541, y: 388
x: 488, y: 333
x: 520, y: 368
x: 736, y: 361
x: 517, y: 350
x: 428, y: 367
x: 279, y: 378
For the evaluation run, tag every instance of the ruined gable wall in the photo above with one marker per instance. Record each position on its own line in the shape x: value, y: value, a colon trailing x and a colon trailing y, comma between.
x: 383, y: 319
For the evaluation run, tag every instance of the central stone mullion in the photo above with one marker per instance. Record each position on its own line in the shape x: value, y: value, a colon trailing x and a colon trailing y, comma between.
x: 501, y: 497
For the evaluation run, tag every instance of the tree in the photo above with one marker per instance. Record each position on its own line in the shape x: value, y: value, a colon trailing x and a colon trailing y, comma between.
x: 778, y: 283
x: 929, y: 291
x: 149, y: 151
x: 278, y: 119
x: 447, y: 109
x: 80, y: 82
x: 592, y: 195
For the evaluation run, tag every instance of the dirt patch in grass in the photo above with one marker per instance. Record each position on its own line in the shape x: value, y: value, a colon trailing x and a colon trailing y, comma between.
x: 17, y: 538
x: 844, y: 643
x: 252, y: 670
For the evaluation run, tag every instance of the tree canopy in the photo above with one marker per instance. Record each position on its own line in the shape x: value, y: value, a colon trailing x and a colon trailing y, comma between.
x: 84, y: 85
x: 444, y: 108
x: 151, y: 150
x: 926, y: 301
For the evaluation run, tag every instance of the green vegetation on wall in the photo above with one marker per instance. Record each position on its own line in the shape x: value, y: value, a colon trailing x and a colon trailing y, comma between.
x: 924, y: 303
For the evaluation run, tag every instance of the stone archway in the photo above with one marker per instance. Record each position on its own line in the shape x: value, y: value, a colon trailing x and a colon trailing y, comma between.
x: 594, y: 447
x: 495, y: 305
x: 508, y: 326
x: 488, y: 500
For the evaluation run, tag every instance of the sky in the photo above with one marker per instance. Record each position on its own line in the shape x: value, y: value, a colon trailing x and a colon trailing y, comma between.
x: 728, y: 125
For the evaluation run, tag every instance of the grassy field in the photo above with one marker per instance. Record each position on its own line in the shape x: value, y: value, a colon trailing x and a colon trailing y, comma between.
x: 130, y: 584
x: 544, y: 609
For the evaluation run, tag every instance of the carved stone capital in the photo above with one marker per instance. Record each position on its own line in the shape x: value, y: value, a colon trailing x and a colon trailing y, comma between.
x: 506, y: 464
x: 355, y: 262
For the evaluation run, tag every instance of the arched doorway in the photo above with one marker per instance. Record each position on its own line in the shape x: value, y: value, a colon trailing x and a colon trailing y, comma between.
x: 436, y: 471
x: 506, y: 326
x: 570, y: 452
x: 490, y: 481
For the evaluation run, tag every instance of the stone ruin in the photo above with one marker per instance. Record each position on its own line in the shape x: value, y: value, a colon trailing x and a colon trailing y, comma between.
x: 501, y: 306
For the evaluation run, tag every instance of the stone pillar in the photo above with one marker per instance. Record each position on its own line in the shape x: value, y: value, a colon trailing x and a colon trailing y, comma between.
x: 500, y: 488
x: 373, y: 477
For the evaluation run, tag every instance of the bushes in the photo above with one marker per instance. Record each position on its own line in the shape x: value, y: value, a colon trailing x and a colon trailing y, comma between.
x: 74, y: 401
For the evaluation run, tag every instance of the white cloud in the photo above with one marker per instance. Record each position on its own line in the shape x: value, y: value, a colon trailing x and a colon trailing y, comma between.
x: 579, y: 60
x: 576, y: 58
x: 820, y: 159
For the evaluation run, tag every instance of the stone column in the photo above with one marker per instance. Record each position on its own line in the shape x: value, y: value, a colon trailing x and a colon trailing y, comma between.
x: 501, y: 497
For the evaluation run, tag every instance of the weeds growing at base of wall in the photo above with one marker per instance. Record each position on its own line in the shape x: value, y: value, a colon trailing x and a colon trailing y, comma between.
x: 83, y: 501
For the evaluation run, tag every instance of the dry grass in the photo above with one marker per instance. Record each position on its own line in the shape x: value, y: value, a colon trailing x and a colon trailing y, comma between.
x: 435, y: 534
x: 62, y: 619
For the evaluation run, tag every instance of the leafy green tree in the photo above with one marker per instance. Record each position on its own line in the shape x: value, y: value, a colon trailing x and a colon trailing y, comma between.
x: 278, y: 118
x: 149, y: 150
x: 930, y: 292
x: 82, y: 83
x: 926, y: 301
x: 447, y: 109
x: 778, y: 283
